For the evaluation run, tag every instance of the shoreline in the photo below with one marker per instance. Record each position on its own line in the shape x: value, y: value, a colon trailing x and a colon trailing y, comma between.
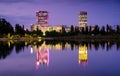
x: 71, y: 38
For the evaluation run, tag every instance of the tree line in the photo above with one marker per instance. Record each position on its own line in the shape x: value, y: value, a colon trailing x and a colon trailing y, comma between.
x: 7, y: 30
x: 89, y: 30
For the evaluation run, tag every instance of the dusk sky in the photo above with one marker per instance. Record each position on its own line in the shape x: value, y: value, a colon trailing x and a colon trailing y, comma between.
x: 61, y: 12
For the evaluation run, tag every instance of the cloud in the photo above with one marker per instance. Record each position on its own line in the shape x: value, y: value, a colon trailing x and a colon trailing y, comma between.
x: 52, y: 2
x: 17, y: 9
x: 14, y: 1
x: 58, y: 1
x: 23, y: 11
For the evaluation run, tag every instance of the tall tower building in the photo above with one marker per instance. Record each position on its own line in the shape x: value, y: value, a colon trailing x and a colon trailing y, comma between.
x: 82, y: 22
x: 42, y: 18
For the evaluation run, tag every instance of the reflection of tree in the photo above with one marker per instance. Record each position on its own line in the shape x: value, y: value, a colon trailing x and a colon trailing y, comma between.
x: 5, y: 49
x: 102, y: 45
x: 38, y: 43
x: 118, y: 45
x: 63, y: 45
x: 19, y: 46
x: 109, y: 45
x: 52, y: 42
x: 90, y: 44
x: 72, y: 46
x: 7, y: 46
x: 96, y: 45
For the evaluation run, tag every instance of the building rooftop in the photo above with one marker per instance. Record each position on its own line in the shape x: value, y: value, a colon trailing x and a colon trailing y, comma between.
x: 83, y: 12
x: 42, y: 11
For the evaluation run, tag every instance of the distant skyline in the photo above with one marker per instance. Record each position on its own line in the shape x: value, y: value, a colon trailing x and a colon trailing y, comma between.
x: 61, y: 12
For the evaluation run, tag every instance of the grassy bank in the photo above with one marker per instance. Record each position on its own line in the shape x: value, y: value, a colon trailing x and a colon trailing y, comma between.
x: 75, y: 38
x: 21, y: 39
x: 87, y: 38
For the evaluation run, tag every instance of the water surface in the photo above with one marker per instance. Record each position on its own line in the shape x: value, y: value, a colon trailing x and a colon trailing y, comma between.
x: 59, y: 58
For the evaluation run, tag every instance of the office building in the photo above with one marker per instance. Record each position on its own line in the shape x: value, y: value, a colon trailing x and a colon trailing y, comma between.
x: 42, y: 18
x: 82, y: 21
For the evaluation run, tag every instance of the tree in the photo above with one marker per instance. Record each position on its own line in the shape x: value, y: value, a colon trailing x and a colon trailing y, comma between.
x: 102, y: 31
x: 90, y: 30
x: 109, y: 29
x: 63, y: 33
x: 77, y: 30
x: 52, y: 33
x: 118, y: 29
x: 86, y: 30
x: 5, y: 27
x: 96, y: 30
x: 39, y: 33
x: 83, y: 29
x: 72, y: 28
x: 19, y: 29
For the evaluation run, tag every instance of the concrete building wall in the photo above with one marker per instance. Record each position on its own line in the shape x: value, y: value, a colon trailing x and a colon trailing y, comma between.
x: 46, y: 28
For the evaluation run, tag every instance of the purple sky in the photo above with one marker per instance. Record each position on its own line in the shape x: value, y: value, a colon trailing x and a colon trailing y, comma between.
x: 64, y: 12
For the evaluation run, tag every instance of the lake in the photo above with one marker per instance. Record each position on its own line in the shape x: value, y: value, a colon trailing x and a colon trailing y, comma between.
x: 59, y: 58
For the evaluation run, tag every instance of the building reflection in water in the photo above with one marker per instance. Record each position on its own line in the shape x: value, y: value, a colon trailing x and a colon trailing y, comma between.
x: 42, y: 55
x: 83, y: 55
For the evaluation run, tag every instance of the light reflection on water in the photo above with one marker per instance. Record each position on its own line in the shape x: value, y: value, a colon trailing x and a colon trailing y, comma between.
x: 51, y: 58
x: 42, y: 53
x: 83, y: 55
